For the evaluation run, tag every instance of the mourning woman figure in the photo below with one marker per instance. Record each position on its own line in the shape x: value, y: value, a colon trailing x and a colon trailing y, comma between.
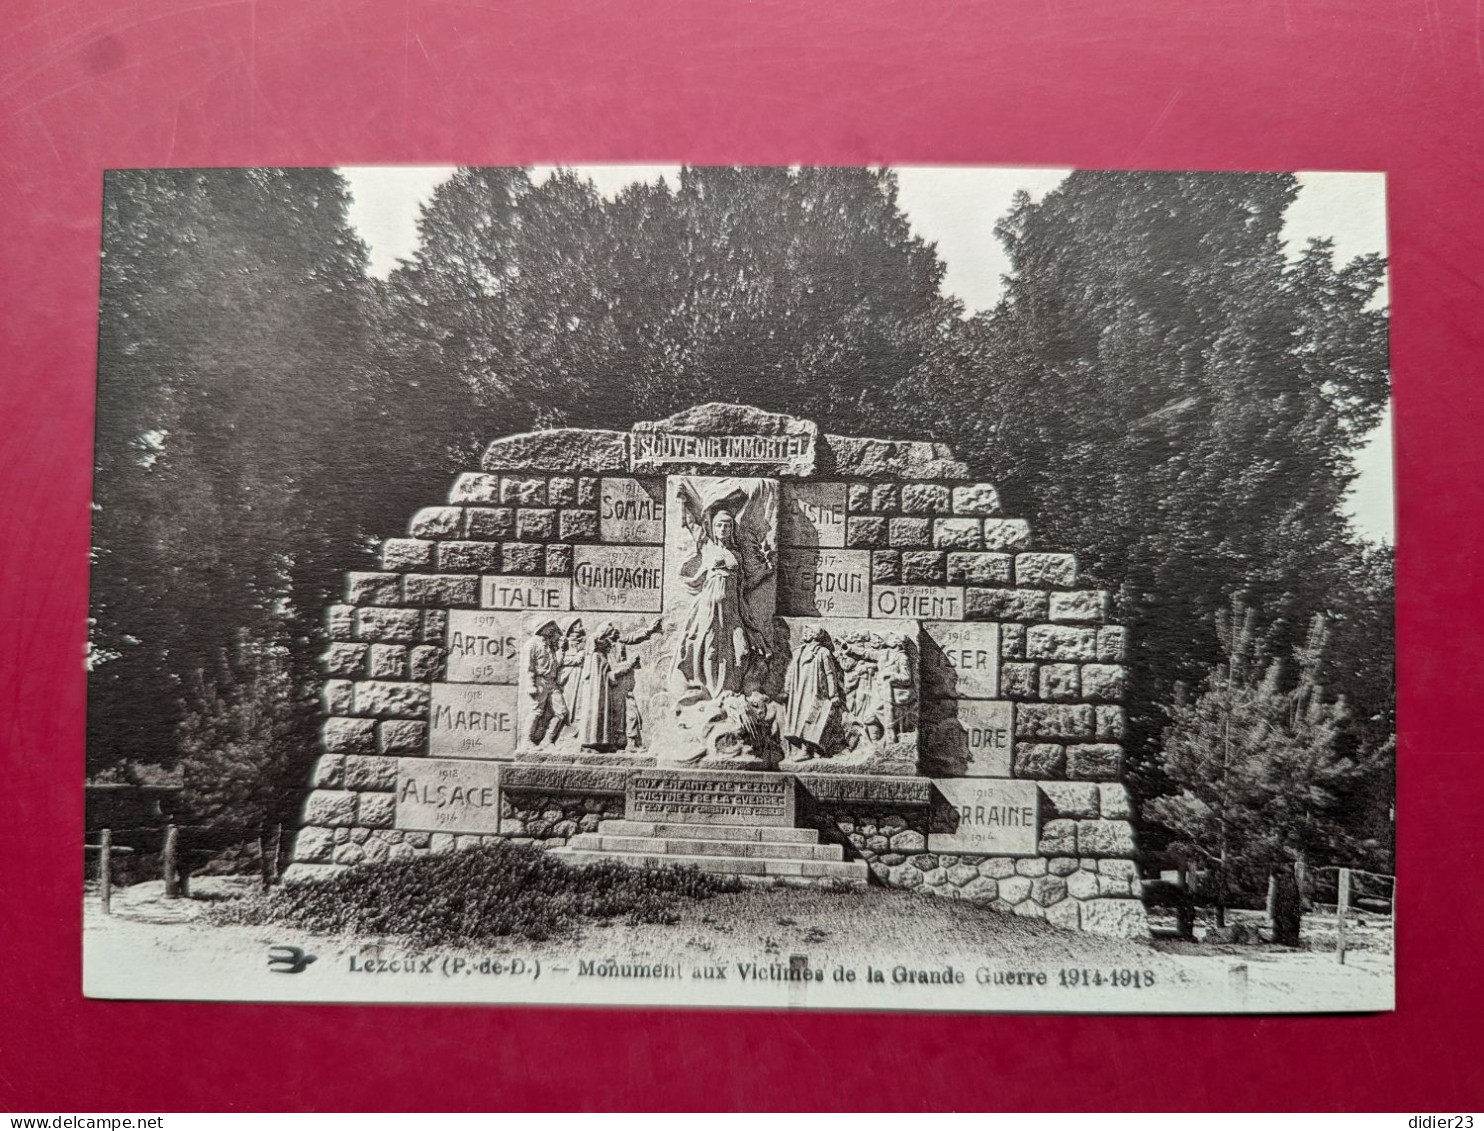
x: 604, y: 695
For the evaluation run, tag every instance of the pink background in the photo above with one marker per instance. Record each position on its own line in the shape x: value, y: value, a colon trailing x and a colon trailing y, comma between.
x: 1339, y: 84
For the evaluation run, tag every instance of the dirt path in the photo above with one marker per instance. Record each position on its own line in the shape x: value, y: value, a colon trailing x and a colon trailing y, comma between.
x: 929, y: 954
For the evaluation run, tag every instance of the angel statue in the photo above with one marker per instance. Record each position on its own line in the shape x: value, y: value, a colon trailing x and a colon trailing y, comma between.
x: 732, y: 523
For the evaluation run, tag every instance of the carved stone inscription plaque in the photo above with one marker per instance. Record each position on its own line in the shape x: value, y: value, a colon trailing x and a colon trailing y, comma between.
x: 918, y: 602
x: 447, y: 796
x: 483, y: 646
x: 961, y: 660
x: 632, y: 510
x: 717, y: 798
x: 472, y: 720
x: 824, y: 583
x: 618, y: 578
x: 997, y: 818
x: 526, y: 594
x: 813, y: 514
x: 968, y: 737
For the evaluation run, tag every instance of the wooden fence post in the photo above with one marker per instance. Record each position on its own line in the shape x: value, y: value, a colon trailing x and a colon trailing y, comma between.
x: 171, y: 862
x: 105, y: 870
x: 1342, y: 904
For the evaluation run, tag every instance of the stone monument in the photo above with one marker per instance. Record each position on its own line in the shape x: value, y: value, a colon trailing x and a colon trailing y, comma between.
x: 728, y: 639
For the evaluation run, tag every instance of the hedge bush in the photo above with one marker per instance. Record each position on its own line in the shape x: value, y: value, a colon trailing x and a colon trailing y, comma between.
x: 480, y: 894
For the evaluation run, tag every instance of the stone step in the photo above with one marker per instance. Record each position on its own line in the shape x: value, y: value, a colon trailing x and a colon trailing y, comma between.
x: 617, y: 827
x: 848, y: 871
x: 676, y: 846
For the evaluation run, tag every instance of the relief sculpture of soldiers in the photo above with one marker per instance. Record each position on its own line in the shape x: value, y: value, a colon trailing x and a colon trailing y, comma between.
x: 762, y: 563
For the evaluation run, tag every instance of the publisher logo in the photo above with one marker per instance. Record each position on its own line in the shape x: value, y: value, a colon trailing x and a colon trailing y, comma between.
x: 288, y: 960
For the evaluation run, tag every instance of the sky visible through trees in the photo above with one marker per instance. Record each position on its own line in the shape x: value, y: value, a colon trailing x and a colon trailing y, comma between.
x: 955, y: 208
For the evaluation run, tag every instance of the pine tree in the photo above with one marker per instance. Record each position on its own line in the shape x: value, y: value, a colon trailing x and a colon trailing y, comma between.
x: 1259, y: 785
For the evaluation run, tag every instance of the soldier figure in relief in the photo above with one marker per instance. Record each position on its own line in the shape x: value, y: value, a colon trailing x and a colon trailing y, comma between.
x: 815, y: 695
x: 540, y: 691
x: 570, y: 653
x: 896, y: 694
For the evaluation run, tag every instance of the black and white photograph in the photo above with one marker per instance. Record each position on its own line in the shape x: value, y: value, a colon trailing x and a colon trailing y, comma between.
x: 922, y: 588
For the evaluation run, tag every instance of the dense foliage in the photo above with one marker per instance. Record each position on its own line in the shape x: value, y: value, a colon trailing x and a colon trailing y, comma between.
x: 1163, y: 390
x: 1259, y: 781
x: 479, y: 895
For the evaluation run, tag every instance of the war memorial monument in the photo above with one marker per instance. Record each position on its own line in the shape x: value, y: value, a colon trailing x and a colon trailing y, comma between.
x: 729, y: 640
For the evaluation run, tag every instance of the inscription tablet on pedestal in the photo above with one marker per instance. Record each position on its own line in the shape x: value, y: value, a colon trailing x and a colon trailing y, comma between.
x: 824, y: 583
x: 625, y: 579
x: 472, y: 720
x: 526, y: 594
x: 813, y: 514
x: 719, y: 798
x: 984, y: 815
x: 447, y: 796
x: 968, y: 737
x: 632, y: 510
x: 483, y: 647
x: 961, y: 660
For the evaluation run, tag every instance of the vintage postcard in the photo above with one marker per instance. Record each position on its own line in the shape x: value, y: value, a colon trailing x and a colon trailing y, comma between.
x: 916, y: 588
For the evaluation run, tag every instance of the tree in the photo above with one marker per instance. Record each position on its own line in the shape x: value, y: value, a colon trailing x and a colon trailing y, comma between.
x: 243, y: 754
x: 800, y: 291
x: 1165, y: 392
x: 1259, y: 785
x: 239, y: 430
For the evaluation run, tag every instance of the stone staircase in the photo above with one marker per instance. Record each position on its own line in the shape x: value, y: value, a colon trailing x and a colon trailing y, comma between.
x: 754, y: 853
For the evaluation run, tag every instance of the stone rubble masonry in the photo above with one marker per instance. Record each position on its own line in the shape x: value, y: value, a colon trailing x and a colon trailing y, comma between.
x: 958, y: 533
x: 1006, y: 604
x: 925, y: 522
x: 437, y: 522
x: 558, y: 560
x: 553, y: 818
x: 522, y: 490
x: 560, y: 449
x: 397, y: 626
x: 924, y: 567
x: 1012, y: 641
x: 1006, y: 534
x: 407, y: 554
x: 865, y: 532
x: 1070, y: 871
x: 373, y: 589
x: 402, y: 736
x: 1081, y: 605
x: 338, y: 696
x: 976, y: 499
x: 980, y: 568
x: 886, y: 566
x: 455, y: 591
x: 910, y: 531
x: 1058, y: 570
x: 469, y: 557
x: 344, y: 659
x: 1060, y: 642
x: 535, y: 524
x: 926, y: 498
x: 496, y: 523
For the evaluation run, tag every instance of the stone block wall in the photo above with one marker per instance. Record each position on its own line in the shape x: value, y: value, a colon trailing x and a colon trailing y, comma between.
x: 1082, y: 876
x: 1042, y: 705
